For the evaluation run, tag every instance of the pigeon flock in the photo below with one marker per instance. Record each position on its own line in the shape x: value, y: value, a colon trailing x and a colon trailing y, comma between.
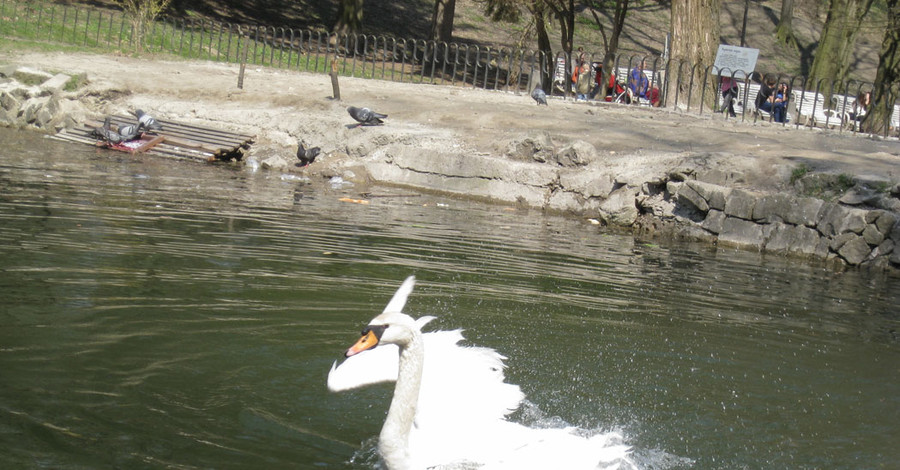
x: 128, y: 132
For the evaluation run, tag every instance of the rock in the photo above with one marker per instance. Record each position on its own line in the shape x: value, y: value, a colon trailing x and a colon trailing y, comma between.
x: 276, y: 162
x: 885, y: 221
x: 714, y: 195
x: 872, y: 235
x: 55, y: 84
x: 740, y: 204
x: 885, y: 248
x: 859, y: 195
x: 793, y: 239
x: 535, y: 147
x: 838, y: 241
x: 8, y: 101
x: 688, y: 196
x: 771, y: 208
x: 836, y: 219
x: 589, y: 184
x: 739, y: 232
x: 620, y: 208
x: 714, y: 221
x: 30, y: 76
x: 804, y: 211
x: 855, y: 251
x: 577, y: 153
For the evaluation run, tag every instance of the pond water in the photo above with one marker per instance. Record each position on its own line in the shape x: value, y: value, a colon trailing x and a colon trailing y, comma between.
x: 168, y: 314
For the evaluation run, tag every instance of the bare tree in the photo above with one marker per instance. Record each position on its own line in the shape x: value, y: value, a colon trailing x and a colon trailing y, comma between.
x: 142, y: 13
x: 610, y: 45
x: 832, y: 57
x: 695, y: 40
x: 785, y: 30
x: 350, y: 14
x: 887, y: 78
x: 442, y: 20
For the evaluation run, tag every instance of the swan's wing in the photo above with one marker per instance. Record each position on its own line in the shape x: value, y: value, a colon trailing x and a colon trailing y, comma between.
x: 398, y: 301
x: 374, y: 366
x: 463, y: 384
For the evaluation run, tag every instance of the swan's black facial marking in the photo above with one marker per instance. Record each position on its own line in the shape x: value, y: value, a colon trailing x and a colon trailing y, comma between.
x: 376, y: 330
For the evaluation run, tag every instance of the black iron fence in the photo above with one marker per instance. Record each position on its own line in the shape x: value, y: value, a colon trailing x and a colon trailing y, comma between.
x: 825, y: 103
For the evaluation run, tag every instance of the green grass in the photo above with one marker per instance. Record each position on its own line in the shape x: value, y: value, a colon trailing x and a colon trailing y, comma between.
x: 799, y: 171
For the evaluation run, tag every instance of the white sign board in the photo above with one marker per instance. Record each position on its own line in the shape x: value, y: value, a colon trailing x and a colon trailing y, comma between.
x: 735, y: 60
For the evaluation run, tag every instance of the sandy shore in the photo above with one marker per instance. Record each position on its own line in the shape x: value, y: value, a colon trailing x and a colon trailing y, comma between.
x: 281, y: 107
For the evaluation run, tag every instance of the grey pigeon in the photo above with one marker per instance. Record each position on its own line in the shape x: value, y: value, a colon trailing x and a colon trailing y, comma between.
x: 147, y: 120
x: 131, y: 131
x: 365, y: 116
x: 306, y: 156
x: 106, y: 134
x: 539, y: 96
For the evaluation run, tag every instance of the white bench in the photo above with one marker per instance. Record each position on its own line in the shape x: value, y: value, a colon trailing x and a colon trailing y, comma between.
x: 815, y: 110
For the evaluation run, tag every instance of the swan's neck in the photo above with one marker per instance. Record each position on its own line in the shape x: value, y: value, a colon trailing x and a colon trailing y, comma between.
x: 393, y: 443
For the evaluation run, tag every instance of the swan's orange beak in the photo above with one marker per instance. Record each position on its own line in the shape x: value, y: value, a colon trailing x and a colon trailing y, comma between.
x: 369, y: 339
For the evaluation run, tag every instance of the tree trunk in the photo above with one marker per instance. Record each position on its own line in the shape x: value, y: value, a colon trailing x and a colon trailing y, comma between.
x: 695, y: 40
x: 442, y: 20
x: 831, y: 63
x: 611, y: 46
x: 785, y: 30
x: 548, y: 64
x: 350, y: 16
x: 887, y: 78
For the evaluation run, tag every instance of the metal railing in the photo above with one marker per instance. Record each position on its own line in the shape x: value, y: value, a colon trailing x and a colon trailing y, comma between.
x: 822, y: 104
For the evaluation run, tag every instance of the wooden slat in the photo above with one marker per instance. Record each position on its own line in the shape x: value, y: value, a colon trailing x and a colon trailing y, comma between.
x: 176, y: 139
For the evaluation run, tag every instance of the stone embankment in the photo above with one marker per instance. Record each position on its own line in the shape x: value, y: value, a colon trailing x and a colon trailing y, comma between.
x: 38, y: 100
x: 843, y: 219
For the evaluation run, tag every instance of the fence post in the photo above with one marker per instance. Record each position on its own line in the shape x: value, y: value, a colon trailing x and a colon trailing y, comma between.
x: 240, y: 83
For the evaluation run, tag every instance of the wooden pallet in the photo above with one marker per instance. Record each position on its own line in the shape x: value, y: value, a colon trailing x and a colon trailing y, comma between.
x: 175, y: 140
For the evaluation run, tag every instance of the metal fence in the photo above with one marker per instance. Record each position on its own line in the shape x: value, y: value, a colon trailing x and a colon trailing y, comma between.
x: 824, y: 104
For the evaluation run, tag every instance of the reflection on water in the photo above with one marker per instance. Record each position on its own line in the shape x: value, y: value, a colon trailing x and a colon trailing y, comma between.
x: 160, y: 313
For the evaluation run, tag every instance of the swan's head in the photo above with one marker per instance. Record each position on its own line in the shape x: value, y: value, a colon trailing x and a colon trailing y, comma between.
x: 387, y: 328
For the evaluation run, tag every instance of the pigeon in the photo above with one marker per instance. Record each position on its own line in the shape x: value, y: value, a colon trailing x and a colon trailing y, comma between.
x: 147, y: 120
x: 131, y: 131
x: 539, y: 96
x: 365, y: 116
x: 306, y: 156
x: 106, y: 134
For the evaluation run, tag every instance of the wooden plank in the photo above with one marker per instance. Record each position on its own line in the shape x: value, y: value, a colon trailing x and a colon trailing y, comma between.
x: 150, y: 144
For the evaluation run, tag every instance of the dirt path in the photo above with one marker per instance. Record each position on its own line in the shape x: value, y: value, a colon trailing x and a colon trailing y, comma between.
x: 281, y: 106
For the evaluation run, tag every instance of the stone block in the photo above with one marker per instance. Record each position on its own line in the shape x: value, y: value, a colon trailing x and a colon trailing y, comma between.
x: 793, y: 239
x: 771, y: 208
x: 689, y: 197
x: 836, y: 219
x: 872, y: 235
x: 740, y: 204
x: 885, y: 221
x: 587, y: 183
x: 577, y: 153
x: 855, y: 251
x: 836, y: 242
x: 714, y: 221
x: 803, y: 211
x: 620, y: 208
x: 8, y: 101
x: 715, y: 195
x: 55, y: 84
x: 743, y: 233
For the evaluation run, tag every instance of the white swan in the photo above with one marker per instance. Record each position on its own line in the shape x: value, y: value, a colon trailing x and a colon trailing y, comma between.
x: 450, y: 405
